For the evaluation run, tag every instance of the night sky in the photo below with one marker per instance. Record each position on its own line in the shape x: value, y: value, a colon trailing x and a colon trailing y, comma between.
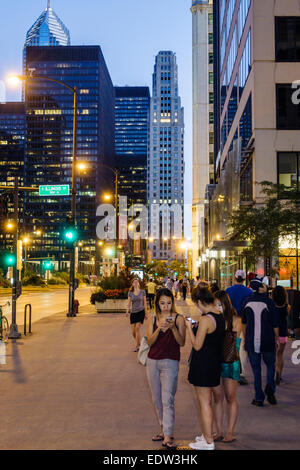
x: 130, y: 34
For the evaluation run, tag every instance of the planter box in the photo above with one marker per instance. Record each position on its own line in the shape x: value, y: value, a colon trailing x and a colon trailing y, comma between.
x: 112, y: 306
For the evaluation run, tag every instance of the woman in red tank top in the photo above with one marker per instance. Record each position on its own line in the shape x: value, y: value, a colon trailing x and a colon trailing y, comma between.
x: 166, y: 334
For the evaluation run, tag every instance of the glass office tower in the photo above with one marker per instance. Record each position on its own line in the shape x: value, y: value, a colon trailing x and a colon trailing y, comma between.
x: 48, y: 30
x: 131, y: 141
x: 49, y: 131
x: 12, y: 145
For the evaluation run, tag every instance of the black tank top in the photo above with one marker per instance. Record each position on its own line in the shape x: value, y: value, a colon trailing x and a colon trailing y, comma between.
x: 205, y: 365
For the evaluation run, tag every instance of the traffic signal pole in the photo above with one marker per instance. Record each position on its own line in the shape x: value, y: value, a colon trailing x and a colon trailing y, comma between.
x: 71, y: 312
x: 14, y: 333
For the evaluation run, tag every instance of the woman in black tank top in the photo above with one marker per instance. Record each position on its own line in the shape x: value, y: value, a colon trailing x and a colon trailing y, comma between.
x: 205, y: 363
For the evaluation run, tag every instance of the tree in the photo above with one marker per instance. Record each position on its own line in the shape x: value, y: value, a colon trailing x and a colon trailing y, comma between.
x: 157, y: 269
x: 262, y: 225
x: 177, y: 267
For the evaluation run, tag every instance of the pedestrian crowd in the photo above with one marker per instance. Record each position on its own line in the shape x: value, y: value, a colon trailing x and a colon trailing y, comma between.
x: 236, y: 324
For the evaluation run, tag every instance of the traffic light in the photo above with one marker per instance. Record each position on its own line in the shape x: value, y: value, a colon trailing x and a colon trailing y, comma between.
x: 10, y: 260
x: 70, y: 234
x: 47, y: 265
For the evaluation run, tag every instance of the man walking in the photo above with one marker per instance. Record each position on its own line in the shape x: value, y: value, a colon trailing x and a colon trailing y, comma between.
x: 261, y: 329
x: 184, y: 287
x: 151, y: 286
x: 238, y: 293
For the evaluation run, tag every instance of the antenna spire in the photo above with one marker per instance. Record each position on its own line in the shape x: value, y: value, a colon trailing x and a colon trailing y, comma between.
x: 49, y: 6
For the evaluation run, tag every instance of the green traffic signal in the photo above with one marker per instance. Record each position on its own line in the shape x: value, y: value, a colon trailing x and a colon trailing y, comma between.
x: 47, y: 265
x: 70, y: 235
x: 10, y: 260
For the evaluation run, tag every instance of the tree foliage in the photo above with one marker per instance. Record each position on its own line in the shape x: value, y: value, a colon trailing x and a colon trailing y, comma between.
x: 263, y: 224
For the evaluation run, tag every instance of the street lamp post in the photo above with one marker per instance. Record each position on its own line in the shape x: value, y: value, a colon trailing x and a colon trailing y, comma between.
x: 71, y: 311
x: 116, y: 197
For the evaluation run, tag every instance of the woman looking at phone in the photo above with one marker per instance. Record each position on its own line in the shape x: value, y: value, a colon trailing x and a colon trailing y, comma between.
x: 205, y: 363
x: 166, y: 334
x: 138, y: 305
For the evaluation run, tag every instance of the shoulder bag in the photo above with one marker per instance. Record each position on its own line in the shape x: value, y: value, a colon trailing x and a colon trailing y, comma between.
x: 229, y: 350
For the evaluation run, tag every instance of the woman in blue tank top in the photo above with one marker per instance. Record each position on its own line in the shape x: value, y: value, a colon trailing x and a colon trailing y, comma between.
x: 230, y: 372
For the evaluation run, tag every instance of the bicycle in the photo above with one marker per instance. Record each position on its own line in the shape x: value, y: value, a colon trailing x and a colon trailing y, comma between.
x: 4, y: 327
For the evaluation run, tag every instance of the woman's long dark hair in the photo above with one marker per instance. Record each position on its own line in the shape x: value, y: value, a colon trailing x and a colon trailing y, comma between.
x: 166, y: 292
x: 229, y: 311
x: 279, y: 296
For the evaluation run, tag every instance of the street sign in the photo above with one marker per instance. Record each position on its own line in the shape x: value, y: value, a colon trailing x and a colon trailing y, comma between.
x: 54, y: 190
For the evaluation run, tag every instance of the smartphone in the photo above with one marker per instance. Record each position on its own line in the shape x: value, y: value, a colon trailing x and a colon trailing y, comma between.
x: 169, y: 319
x: 191, y: 320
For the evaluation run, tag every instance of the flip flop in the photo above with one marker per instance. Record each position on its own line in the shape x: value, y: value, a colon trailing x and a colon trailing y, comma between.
x: 218, y: 439
x: 228, y: 442
x: 158, y: 437
x: 170, y: 445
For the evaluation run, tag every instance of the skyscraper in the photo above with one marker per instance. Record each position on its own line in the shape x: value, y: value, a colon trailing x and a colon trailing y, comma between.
x: 49, y: 132
x: 203, y: 117
x: 48, y: 30
x: 12, y: 150
x: 131, y: 141
x: 258, y: 115
x: 166, y: 159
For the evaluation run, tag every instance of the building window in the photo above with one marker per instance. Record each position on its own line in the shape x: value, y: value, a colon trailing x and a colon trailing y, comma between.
x: 288, y: 170
x: 287, y: 39
x: 211, y: 78
x: 288, y: 113
x: 210, y: 58
x: 210, y: 38
x: 210, y: 18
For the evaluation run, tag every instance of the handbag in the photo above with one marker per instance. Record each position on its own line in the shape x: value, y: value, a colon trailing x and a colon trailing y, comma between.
x: 143, y: 351
x: 229, y: 350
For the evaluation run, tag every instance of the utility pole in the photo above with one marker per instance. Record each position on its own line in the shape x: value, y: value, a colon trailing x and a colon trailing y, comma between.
x: 14, y: 333
x: 71, y: 312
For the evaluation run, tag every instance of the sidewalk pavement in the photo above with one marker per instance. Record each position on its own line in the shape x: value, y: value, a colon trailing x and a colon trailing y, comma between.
x: 75, y: 384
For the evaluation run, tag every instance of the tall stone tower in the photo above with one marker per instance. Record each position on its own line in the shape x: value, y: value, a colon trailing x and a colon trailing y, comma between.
x: 203, y: 124
x: 166, y: 159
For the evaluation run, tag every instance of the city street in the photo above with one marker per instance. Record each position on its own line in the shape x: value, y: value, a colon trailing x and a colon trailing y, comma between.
x: 45, y: 303
x: 75, y: 384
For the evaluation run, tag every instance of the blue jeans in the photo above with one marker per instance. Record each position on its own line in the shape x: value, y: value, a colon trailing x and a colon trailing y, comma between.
x: 269, y: 359
x: 163, y: 376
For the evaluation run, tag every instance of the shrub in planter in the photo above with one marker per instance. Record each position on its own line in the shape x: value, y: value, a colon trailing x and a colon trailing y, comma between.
x: 56, y: 281
x: 116, y: 294
x: 4, y: 283
x: 33, y: 280
x: 98, y: 296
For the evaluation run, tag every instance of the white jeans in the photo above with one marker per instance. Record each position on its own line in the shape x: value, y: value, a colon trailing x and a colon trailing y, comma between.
x: 163, y: 377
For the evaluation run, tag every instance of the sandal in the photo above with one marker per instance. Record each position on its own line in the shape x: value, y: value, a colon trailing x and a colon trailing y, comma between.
x: 158, y: 437
x: 169, y: 445
x: 217, y: 438
x: 229, y: 440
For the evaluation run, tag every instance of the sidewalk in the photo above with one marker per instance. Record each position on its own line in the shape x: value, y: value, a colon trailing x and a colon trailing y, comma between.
x: 75, y: 384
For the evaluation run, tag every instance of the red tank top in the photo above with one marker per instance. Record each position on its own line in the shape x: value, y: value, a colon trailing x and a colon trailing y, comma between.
x: 166, y: 346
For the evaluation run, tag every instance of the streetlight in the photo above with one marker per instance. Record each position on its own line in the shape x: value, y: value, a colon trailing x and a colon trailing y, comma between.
x: 107, y: 197
x: 15, y: 80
